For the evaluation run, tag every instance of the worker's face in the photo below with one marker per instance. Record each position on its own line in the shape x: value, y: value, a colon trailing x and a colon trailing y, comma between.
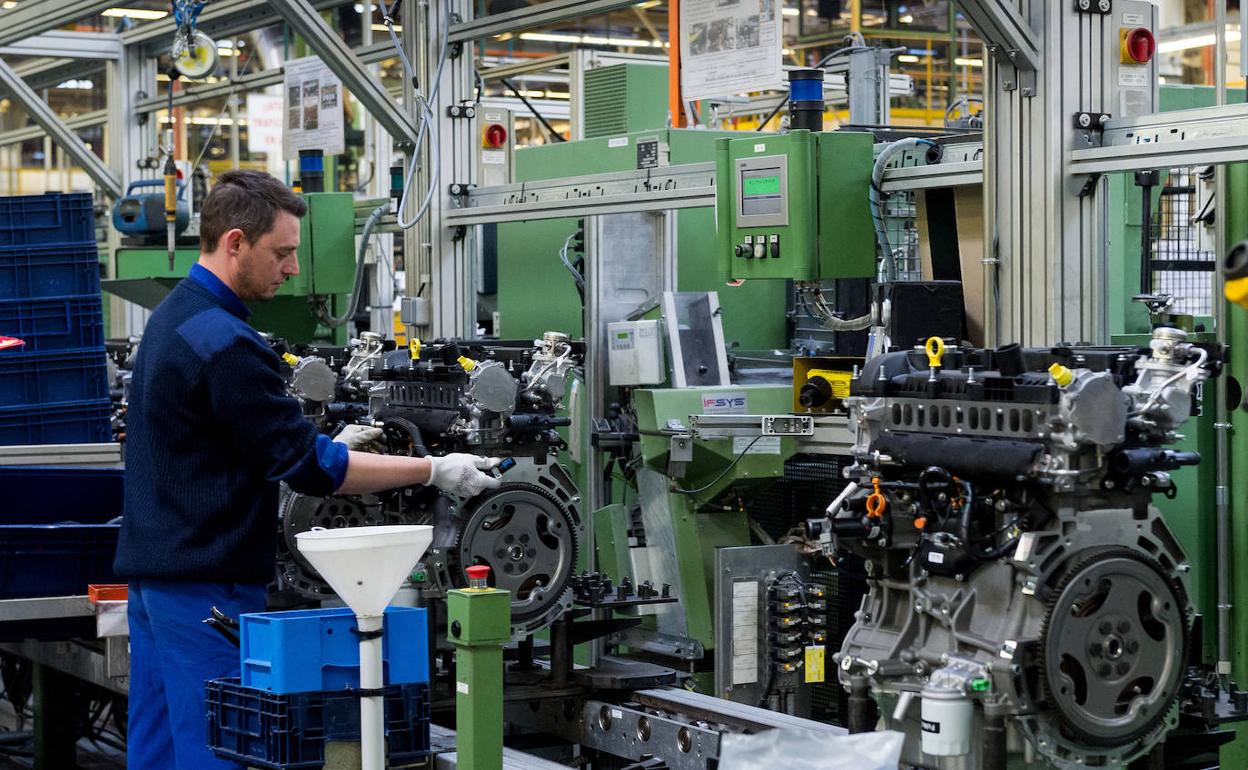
x: 262, y: 267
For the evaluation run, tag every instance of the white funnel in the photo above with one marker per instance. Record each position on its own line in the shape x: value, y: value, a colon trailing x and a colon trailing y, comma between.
x: 365, y: 566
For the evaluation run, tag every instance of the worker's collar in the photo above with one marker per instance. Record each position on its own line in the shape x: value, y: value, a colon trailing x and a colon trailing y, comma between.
x: 228, y: 299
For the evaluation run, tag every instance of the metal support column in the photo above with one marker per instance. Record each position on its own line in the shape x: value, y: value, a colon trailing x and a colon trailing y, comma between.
x: 340, y: 59
x: 56, y: 128
x: 1046, y: 220
x: 451, y: 250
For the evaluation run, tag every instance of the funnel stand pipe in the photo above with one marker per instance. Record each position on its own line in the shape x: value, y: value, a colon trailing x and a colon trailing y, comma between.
x: 372, y: 716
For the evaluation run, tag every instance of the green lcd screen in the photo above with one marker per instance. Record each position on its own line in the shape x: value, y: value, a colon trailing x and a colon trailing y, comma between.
x: 762, y: 185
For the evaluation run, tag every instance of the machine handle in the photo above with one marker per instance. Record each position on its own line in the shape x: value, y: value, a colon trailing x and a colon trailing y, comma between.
x: 158, y: 182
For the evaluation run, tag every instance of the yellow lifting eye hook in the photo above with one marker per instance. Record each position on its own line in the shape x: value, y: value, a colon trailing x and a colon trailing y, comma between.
x: 935, y: 349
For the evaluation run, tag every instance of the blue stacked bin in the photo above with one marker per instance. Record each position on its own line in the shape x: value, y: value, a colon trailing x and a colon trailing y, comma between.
x: 55, y: 390
x: 299, y: 688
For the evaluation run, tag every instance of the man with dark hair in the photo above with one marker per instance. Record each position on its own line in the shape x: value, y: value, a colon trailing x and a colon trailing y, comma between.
x: 211, y: 432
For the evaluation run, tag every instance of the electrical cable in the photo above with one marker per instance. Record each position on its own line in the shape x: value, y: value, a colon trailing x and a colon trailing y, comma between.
x: 358, y: 285
x: 554, y: 135
x: 428, y: 125
x: 681, y: 491
x: 874, y: 197
x: 576, y: 274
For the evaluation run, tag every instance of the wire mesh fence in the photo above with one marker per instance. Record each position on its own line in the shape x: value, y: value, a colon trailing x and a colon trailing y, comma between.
x: 1181, y: 250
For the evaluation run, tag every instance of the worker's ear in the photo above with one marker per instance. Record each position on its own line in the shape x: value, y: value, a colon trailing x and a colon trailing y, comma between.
x: 233, y: 241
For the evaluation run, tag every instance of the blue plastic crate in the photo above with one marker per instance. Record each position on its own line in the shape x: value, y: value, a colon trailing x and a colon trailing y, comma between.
x: 54, y: 323
x: 39, y: 378
x: 51, y: 218
x: 53, y: 270
x: 64, y: 422
x: 58, y: 529
x: 289, y: 732
x: 313, y: 650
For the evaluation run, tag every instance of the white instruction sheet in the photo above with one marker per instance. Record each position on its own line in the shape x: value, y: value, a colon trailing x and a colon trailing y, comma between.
x: 729, y: 47
x: 313, y: 97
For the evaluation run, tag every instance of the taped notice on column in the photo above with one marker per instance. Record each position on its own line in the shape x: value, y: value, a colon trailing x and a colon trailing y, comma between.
x: 313, y: 99
x: 729, y: 47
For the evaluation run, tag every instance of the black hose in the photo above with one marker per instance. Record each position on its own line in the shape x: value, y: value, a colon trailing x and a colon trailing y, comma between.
x: 411, y: 429
x: 995, y: 742
x: 862, y: 710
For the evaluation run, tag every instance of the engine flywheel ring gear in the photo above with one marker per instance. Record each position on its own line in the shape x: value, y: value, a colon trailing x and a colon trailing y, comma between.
x: 300, y: 513
x: 529, y: 540
x: 1114, y: 647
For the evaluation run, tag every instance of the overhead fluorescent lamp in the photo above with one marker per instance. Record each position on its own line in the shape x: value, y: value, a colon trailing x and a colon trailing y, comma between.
x: 791, y: 11
x: 908, y: 59
x: 1197, y: 41
x: 964, y: 62
x: 398, y: 28
x: 8, y: 4
x: 138, y: 14
x: 621, y: 42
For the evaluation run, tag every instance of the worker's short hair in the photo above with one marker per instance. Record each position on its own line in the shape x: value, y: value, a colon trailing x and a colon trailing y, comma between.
x: 247, y: 200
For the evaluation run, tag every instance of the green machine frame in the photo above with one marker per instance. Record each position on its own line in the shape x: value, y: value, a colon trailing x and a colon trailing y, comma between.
x: 535, y: 292
x: 326, y: 269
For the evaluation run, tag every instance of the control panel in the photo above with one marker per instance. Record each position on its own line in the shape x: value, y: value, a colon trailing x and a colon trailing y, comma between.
x: 795, y: 206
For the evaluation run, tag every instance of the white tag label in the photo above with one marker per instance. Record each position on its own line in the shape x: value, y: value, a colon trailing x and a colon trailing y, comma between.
x: 936, y: 557
x: 619, y: 141
x: 1133, y: 20
x: 1133, y: 76
x: 760, y: 148
x: 617, y: 714
x: 767, y: 445
x: 494, y: 157
x: 461, y: 688
x: 745, y: 632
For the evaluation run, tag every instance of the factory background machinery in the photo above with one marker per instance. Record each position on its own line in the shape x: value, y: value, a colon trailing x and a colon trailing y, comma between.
x: 921, y: 429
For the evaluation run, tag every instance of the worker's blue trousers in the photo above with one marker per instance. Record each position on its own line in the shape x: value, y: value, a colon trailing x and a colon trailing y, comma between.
x: 172, y: 653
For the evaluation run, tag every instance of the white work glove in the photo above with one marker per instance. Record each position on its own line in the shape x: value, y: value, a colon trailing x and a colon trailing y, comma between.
x: 361, y: 438
x: 463, y: 474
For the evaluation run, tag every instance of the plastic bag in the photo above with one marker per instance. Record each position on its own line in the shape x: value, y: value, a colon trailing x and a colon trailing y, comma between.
x: 804, y: 750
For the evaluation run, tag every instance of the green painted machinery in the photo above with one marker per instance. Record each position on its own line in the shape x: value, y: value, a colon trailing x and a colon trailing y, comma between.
x: 326, y: 271
x: 795, y: 206
x: 535, y: 291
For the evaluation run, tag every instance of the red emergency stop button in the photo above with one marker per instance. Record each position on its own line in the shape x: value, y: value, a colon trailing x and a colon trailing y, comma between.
x: 478, y: 576
x: 495, y: 136
x: 1138, y: 45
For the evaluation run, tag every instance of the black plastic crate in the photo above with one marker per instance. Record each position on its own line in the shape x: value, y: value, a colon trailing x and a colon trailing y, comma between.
x: 58, y: 529
x: 54, y: 323
x: 50, y: 218
x: 289, y: 732
x: 40, y: 378
x: 63, y: 422
x: 51, y: 270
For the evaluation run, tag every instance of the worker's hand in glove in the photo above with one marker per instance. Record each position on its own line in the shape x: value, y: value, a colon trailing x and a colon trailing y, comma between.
x: 463, y: 475
x: 361, y: 438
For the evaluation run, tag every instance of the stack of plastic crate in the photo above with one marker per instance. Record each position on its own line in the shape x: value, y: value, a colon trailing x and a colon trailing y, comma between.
x: 299, y: 689
x: 55, y: 390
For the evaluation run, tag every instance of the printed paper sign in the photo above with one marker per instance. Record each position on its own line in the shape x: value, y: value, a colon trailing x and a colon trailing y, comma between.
x: 313, y: 99
x: 729, y: 47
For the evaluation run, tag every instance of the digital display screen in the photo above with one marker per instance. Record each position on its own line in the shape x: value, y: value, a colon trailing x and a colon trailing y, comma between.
x: 762, y: 185
x: 761, y: 192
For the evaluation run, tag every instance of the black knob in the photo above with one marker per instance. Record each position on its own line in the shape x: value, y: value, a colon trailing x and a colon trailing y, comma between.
x: 744, y: 251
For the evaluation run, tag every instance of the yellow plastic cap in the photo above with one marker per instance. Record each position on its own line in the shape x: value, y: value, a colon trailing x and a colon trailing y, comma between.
x: 1237, y: 292
x: 467, y: 363
x: 290, y: 358
x: 1061, y: 375
x: 414, y: 347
